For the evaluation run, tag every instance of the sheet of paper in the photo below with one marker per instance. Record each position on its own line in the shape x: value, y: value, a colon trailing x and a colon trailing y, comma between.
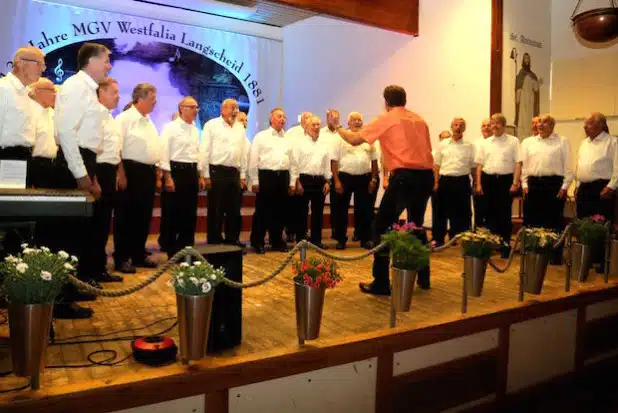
x: 13, y: 174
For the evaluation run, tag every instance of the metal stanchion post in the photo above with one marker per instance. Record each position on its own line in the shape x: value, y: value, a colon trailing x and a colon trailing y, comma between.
x: 607, y: 253
x: 303, y: 257
x: 393, y: 314
x: 464, y: 295
x: 522, y: 263
x: 35, y: 380
x: 569, y: 262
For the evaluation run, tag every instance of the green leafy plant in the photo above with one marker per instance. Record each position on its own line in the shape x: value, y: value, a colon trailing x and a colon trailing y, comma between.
x: 408, y: 252
x: 36, y: 275
x: 539, y: 240
x: 590, y: 230
x: 198, y: 278
x: 479, y: 243
x: 317, y: 273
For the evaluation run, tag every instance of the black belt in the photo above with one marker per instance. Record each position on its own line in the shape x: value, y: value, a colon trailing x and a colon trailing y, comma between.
x: 181, y: 166
x: 314, y: 177
x: 400, y: 170
x: 224, y: 168
x: 136, y: 163
x: 279, y: 172
x: 547, y: 178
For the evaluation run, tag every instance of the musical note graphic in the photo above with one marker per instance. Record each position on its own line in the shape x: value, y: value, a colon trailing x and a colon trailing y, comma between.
x: 58, y: 71
x: 175, y: 58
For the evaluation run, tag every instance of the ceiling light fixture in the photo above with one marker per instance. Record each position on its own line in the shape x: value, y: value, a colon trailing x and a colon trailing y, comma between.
x: 596, y: 25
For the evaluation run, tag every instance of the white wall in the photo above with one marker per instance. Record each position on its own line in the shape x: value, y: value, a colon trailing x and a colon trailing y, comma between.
x: 330, y: 63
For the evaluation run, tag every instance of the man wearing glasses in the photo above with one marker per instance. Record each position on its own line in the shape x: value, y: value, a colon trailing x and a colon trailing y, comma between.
x: 180, y: 157
x: 43, y: 170
x: 17, y: 123
x: 226, y: 154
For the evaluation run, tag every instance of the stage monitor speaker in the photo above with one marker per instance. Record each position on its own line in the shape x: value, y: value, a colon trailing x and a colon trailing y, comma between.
x: 226, y: 318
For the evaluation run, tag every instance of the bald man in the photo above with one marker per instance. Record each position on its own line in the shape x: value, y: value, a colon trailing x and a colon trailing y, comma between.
x: 295, y: 202
x: 43, y: 94
x: 17, y: 118
x: 480, y: 203
x: 226, y: 154
x: 180, y: 162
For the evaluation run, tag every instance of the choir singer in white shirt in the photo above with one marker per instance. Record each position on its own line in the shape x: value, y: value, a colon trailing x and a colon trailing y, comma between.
x: 498, y: 174
x: 17, y: 117
x: 311, y: 168
x: 269, y: 168
x: 454, y: 165
x: 355, y: 172
x: 43, y: 169
x: 226, y: 154
x: 141, y: 152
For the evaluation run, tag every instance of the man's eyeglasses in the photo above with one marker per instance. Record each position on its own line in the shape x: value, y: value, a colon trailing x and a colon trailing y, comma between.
x: 190, y: 106
x: 41, y: 64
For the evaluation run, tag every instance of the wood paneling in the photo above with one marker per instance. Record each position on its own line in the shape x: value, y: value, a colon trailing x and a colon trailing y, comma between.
x: 601, y: 336
x: 396, y: 15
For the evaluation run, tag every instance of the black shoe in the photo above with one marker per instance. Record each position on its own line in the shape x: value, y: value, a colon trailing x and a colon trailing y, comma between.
x: 280, y: 248
x: 290, y: 238
x: 95, y: 284
x: 259, y: 249
x: 355, y: 238
x: 505, y: 252
x: 369, y: 288
x: 126, y: 268
x: 340, y: 246
x: 367, y: 245
x: 236, y: 244
x: 106, y: 277
x: 146, y: 263
x: 423, y: 285
x: 319, y: 245
x: 71, y: 311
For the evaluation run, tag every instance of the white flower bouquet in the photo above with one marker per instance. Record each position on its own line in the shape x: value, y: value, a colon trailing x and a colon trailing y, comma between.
x: 198, y: 278
x: 36, y: 275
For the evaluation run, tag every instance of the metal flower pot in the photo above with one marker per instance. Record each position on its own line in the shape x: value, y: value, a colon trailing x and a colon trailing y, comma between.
x: 29, y: 328
x: 582, y: 261
x: 613, y: 260
x: 535, y: 267
x: 193, y: 324
x: 474, y: 270
x: 402, y: 282
x: 309, y: 305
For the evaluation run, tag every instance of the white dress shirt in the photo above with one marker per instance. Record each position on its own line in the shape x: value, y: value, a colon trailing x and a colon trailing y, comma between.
x: 546, y: 157
x: 296, y: 132
x: 79, y: 120
x: 498, y: 154
x: 17, y: 121
x: 45, y: 145
x: 180, y: 142
x: 455, y: 158
x: 112, y: 139
x: 312, y: 158
x: 140, y: 140
x: 354, y: 160
x: 225, y: 145
x: 330, y: 139
x: 598, y: 159
x: 270, y: 150
x: 477, y: 144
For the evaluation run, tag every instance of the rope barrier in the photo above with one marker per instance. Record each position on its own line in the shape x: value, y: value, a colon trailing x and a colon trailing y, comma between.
x: 190, y: 251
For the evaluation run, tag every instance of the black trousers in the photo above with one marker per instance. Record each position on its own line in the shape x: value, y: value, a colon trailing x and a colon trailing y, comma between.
x: 293, y: 210
x: 408, y: 189
x: 181, y: 207
x: 542, y: 208
x: 224, y: 205
x: 438, y: 221
x: 102, y: 217
x: 453, y: 206
x: 589, y: 200
x: 313, y: 192
x: 357, y: 185
x: 270, y: 207
x: 19, y: 153
x: 499, y: 204
x: 43, y: 172
x: 480, y: 211
x: 134, y: 212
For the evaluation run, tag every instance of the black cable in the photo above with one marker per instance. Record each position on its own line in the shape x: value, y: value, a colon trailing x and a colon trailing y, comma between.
x: 114, y: 339
x: 114, y: 332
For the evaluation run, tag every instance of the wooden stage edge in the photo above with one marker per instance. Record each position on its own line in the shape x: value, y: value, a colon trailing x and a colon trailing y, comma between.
x: 215, y: 376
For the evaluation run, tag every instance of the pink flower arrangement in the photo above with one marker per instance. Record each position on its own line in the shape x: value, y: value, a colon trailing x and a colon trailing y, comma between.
x: 409, y: 226
x: 598, y: 218
x: 317, y: 273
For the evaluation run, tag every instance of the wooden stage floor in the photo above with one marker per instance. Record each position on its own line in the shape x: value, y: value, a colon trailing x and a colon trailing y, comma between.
x: 269, y: 315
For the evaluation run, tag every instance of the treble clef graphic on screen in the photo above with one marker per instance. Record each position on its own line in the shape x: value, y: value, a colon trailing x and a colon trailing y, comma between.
x: 58, y: 71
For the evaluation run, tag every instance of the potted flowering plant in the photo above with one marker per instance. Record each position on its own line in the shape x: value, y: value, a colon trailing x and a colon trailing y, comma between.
x: 311, y: 279
x: 537, y: 244
x: 589, y: 233
x: 194, y: 285
x: 31, y: 282
x: 477, y: 247
x: 409, y: 255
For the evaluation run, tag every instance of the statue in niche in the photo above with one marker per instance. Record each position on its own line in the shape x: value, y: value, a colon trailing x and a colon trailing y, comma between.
x: 527, y: 98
